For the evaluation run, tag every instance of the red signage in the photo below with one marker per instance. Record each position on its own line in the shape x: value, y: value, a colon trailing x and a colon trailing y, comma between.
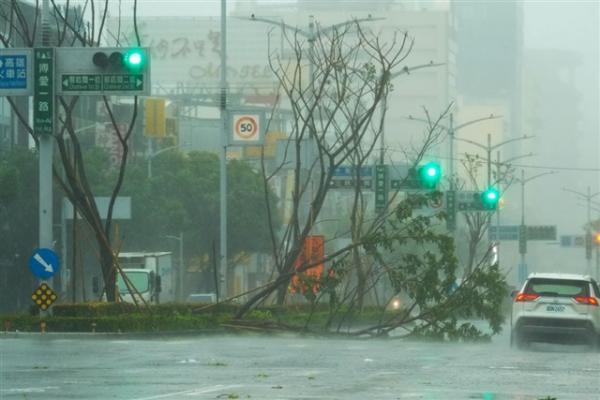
x: 313, y: 252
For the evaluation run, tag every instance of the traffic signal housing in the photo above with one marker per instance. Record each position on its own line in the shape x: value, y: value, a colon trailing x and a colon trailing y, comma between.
x: 490, y: 198
x: 120, y: 60
x: 429, y: 175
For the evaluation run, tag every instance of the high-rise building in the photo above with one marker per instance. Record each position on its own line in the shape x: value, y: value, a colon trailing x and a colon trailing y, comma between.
x: 489, y: 39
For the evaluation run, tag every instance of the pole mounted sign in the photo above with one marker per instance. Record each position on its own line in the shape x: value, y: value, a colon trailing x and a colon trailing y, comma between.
x: 344, y: 177
x: 43, y: 96
x: 246, y: 127
x: 44, y: 263
x: 119, y: 71
x: 15, y: 72
x: 43, y: 296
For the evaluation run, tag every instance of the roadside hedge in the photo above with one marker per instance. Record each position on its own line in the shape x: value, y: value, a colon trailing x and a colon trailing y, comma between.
x: 176, y: 317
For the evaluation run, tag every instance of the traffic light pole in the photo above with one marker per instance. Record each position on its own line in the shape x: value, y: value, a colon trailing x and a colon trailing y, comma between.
x: 46, y: 154
x: 499, y: 181
x: 451, y: 130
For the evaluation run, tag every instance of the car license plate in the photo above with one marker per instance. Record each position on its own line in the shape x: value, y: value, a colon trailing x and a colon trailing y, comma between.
x: 555, y: 308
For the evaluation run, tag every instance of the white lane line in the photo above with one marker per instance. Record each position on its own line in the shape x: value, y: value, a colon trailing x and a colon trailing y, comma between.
x: 190, y: 392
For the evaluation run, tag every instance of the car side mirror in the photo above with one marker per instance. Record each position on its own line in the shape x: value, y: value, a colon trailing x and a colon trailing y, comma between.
x: 514, y: 293
x: 95, y: 285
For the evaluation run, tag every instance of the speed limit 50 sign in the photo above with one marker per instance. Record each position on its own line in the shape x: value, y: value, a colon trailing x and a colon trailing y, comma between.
x: 246, y: 128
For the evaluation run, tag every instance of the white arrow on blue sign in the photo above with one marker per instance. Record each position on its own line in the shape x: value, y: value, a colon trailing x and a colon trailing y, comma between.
x: 44, y: 263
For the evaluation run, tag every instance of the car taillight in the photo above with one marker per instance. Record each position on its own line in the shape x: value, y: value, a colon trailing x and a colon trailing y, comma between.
x: 592, y: 301
x: 526, y: 297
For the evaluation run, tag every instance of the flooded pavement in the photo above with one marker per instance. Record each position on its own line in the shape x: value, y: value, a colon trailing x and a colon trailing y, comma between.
x: 288, y: 367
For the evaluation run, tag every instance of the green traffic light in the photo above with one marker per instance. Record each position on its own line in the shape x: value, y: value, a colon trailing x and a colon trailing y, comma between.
x: 134, y: 59
x: 490, y: 198
x: 430, y: 174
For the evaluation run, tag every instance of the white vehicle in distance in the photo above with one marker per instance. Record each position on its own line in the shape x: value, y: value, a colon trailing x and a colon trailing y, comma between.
x: 556, y: 308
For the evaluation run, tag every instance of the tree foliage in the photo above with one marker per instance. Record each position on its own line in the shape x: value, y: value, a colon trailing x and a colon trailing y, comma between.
x: 182, y: 196
x: 18, y: 226
x: 75, y: 25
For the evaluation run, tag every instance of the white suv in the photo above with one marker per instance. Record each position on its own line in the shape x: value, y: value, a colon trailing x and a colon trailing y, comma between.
x: 556, y: 308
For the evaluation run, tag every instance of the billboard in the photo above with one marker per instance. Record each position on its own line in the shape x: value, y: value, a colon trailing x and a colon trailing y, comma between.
x: 187, y: 51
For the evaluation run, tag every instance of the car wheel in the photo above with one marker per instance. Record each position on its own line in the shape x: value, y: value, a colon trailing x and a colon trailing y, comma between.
x: 519, y: 341
x: 594, y: 341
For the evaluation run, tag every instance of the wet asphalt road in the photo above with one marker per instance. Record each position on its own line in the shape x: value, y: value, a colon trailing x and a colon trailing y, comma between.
x: 287, y: 367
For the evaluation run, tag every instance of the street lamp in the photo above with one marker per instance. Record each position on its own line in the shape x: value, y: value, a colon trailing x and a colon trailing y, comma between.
x: 181, y: 270
x: 489, y: 148
x: 523, y: 241
x: 499, y: 181
x: 152, y: 155
x: 588, y: 198
x: 451, y: 130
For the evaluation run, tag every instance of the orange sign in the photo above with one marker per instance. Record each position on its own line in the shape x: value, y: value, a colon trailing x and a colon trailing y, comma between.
x: 313, y: 251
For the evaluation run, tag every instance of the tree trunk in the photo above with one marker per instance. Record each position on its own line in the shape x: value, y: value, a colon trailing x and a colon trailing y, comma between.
x: 109, y: 273
x: 471, y: 256
x: 361, y: 279
x: 281, y: 294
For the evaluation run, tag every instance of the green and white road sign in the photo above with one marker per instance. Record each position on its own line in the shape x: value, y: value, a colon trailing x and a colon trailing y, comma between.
x: 85, y: 83
x: 43, y: 91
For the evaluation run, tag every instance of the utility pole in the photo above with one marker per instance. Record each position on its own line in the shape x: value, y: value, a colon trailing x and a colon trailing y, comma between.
x: 223, y: 160
x: 46, y: 154
x: 499, y: 182
x: 180, y: 293
x: 523, y: 228
x: 588, y: 234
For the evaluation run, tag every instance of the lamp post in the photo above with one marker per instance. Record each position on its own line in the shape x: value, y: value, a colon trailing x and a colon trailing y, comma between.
x: 499, y: 181
x: 588, y: 198
x: 489, y: 148
x: 523, y: 247
x: 451, y: 130
x: 151, y: 155
x: 181, y: 270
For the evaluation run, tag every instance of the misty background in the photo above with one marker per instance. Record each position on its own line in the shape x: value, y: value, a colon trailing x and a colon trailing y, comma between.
x: 537, y: 60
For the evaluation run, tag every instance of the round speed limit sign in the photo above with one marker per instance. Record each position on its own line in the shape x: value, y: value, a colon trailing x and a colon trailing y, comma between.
x: 246, y: 128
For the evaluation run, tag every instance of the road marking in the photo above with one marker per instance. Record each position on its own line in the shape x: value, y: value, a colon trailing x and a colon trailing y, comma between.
x: 190, y: 392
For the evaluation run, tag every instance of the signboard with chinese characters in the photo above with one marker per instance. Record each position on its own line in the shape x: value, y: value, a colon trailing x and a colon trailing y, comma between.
x: 186, y: 51
x: 516, y: 232
x: 78, y: 74
x: 344, y: 177
x: 43, y: 95
x: 381, y: 187
x: 82, y: 83
x: 15, y: 72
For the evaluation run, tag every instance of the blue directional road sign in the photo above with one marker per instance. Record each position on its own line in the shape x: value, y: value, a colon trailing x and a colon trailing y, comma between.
x: 16, y: 72
x: 44, y: 263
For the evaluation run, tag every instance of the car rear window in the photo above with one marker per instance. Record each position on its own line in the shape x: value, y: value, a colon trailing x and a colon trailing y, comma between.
x: 558, y: 287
